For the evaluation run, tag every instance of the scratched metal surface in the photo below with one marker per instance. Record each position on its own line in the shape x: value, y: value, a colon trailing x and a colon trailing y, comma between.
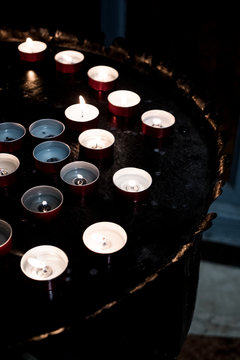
x: 185, y: 172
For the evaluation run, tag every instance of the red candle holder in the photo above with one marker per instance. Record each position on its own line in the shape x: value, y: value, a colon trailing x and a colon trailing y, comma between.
x: 69, y: 61
x: 5, y: 237
x: 51, y: 156
x: 42, y: 202
x: 81, y: 116
x: 132, y: 183
x: 123, y: 103
x: 96, y: 144
x: 9, y: 165
x: 81, y: 177
x: 157, y: 123
x: 102, y: 78
x: 47, y: 129
x: 11, y: 137
x: 32, y: 50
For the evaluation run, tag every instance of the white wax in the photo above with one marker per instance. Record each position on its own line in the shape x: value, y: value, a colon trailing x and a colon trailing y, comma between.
x: 158, y: 118
x: 123, y: 98
x: 96, y: 139
x: 132, y: 179
x: 9, y: 163
x: 103, y: 73
x: 69, y: 57
x: 32, y: 46
x: 48, y: 255
x: 81, y: 112
x: 104, y: 237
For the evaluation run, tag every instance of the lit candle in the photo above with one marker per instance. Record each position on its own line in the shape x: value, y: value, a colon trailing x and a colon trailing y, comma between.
x: 43, y: 202
x: 44, y: 262
x: 96, y: 143
x: 5, y: 237
x: 102, y: 78
x: 68, y: 61
x: 9, y: 165
x: 157, y: 123
x: 81, y: 177
x: 123, y: 103
x: 132, y: 183
x: 81, y: 116
x: 32, y: 50
x: 105, y: 237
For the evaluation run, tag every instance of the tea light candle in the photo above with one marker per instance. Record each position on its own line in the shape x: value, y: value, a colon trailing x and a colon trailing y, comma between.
x: 81, y: 177
x: 68, y: 61
x: 96, y: 143
x: 11, y: 136
x: 157, y: 123
x: 44, y: 263
x: 51, y: 156
x: 43, y: 202
x: 102, y: 78
x: 123, y: 103
x: 104, y: 237
x: 32, y: 50
x: 9, y: 164
x: 5, y: 237
x: 45, y: 129
x: 81, y: 116
x: 132, y: 183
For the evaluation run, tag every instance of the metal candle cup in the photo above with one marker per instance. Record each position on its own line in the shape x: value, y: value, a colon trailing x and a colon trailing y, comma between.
x: 11, y: 136
x: 123, y: 103
x: 81, y: 116
x: 132, y: 183
x: 68, y: 61
x: 5, y: 237
x: 32, y: 50
x: 44, y: 263
x: 51, y: 156
x: 45, y: 129
x: 102, y: 78
x: 157, y: 123
x: 104, y: 237
x: 9, y: 165
x: 81, y: 177
x: 96, y: 144
x: 43, y: 202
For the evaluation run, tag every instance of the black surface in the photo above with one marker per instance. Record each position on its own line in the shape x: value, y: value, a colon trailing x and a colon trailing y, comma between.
x: 155, y: 275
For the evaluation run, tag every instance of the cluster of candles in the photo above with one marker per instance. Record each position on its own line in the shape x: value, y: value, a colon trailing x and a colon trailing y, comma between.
x: 51, y: 155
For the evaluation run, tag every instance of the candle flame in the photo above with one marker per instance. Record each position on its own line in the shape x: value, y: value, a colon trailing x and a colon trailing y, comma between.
x: 36, y: 263
x: 29, y: 41
x: 44, y: 203
x: 81, y: 100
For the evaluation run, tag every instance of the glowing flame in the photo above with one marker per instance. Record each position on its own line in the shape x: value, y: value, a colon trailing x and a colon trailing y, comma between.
x: 81, y: 100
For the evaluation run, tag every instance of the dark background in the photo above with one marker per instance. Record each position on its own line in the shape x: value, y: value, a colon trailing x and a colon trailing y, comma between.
x: 199, y: 41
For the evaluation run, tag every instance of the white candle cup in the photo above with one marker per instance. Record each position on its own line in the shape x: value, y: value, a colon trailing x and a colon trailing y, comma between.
x: 132, y: 183
x: 123, y: 103
x: 11, y: 136
x: 81, y: 116
x: 102, y: 78
x: 105, y: 237
x: 32, y: 50
x: 44, y: 263
x: 5, y: 237
x: 51, y: 156
x: 96, y: 144
x: 45, y: 129
x: 9, y: 165
x: 69, y: 61
x: 81, y: 177
x: 157, y: 123
x: 42, y: 202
